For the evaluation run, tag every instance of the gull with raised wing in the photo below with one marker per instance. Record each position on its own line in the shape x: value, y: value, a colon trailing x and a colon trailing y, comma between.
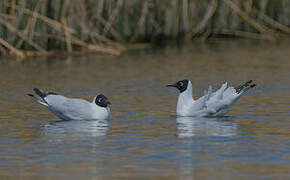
x: 73, y: 108
x: 212, y: 103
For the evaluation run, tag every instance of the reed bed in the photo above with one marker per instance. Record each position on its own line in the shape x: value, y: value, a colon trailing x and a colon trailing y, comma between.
x: 43, y: 27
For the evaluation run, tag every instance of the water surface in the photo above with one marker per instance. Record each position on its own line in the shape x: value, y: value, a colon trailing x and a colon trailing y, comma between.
x: 144, y: 139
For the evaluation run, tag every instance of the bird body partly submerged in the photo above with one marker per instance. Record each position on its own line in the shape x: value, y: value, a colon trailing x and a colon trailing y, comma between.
x: 212, y: 103
x: 74, y: 108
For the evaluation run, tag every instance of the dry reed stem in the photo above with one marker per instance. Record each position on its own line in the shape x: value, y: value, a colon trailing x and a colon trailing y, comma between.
x: 7, y: 16
x: 208, y: 15
x: 126, y: 25
x: 53, y: 23
x: 246, y: 17
x: 25, y: 32
x: 63, y: 20
x: 110, y: 22
x: 100, y: 7
x: 245, y: 34
x: 94, y: 47
x: 21, y: 35
x: 113, y: 32
x: 30, y: 26
x: 101, y: 38
x: 67, y: 36
x: 83, y: 24
x: 185, y: 22
x: 271, y: 21
x: 144, y: 12
x: 80, y: 22
x: 59, y: 27
x: 12, y: 49
x: 26, y: 29
x: 3, y: 50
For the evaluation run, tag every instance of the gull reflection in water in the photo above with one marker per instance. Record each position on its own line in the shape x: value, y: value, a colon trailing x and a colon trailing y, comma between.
x: 83, y: 128
x: 202, y: 126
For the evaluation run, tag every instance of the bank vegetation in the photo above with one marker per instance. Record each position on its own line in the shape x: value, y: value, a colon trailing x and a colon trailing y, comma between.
x: 47, y: 27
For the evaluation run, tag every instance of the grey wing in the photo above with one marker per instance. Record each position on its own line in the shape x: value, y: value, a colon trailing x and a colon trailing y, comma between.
x: 69, y: 107
x: 201, y: 102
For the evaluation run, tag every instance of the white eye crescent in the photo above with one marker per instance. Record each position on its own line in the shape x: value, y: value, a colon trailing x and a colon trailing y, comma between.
x: 181, y: 83
x: 99, y: 100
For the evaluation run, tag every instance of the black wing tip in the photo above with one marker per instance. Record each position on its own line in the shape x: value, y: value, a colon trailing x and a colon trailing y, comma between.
x: 30, y: 95
x: 38, y: 92
x: 52, y: 93
x: 253, y: 85
x: 245, y: 85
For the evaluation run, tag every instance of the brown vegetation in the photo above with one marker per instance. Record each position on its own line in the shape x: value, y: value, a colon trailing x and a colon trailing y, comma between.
x: 41, y: 27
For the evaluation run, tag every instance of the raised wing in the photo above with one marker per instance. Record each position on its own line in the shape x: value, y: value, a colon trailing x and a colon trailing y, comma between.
x: 200, y: 104
x: 223, y: 98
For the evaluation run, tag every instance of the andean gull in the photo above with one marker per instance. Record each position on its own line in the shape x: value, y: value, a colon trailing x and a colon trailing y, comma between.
x: 212, y: 103
x: 73, y: 108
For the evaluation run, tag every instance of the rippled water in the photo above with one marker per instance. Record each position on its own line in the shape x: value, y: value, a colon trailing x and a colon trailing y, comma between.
x: 144, y: 139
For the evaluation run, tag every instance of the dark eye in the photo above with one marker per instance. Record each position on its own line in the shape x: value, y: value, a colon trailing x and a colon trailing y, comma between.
x: 181, y: 83
x: 100, y: 100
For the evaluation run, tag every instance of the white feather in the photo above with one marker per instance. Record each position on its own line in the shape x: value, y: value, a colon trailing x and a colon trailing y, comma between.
x: 211, y: 104
x: 75, y: 109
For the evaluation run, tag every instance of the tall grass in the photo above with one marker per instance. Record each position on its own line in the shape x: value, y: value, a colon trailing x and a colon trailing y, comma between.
x: 38, y: 27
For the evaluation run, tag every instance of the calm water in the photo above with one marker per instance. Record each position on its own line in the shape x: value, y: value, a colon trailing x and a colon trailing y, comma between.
x: 144, y: 139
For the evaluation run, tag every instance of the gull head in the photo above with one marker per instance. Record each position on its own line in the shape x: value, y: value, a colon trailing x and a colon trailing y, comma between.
x: 102, y: 101
x: 180, y: 85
